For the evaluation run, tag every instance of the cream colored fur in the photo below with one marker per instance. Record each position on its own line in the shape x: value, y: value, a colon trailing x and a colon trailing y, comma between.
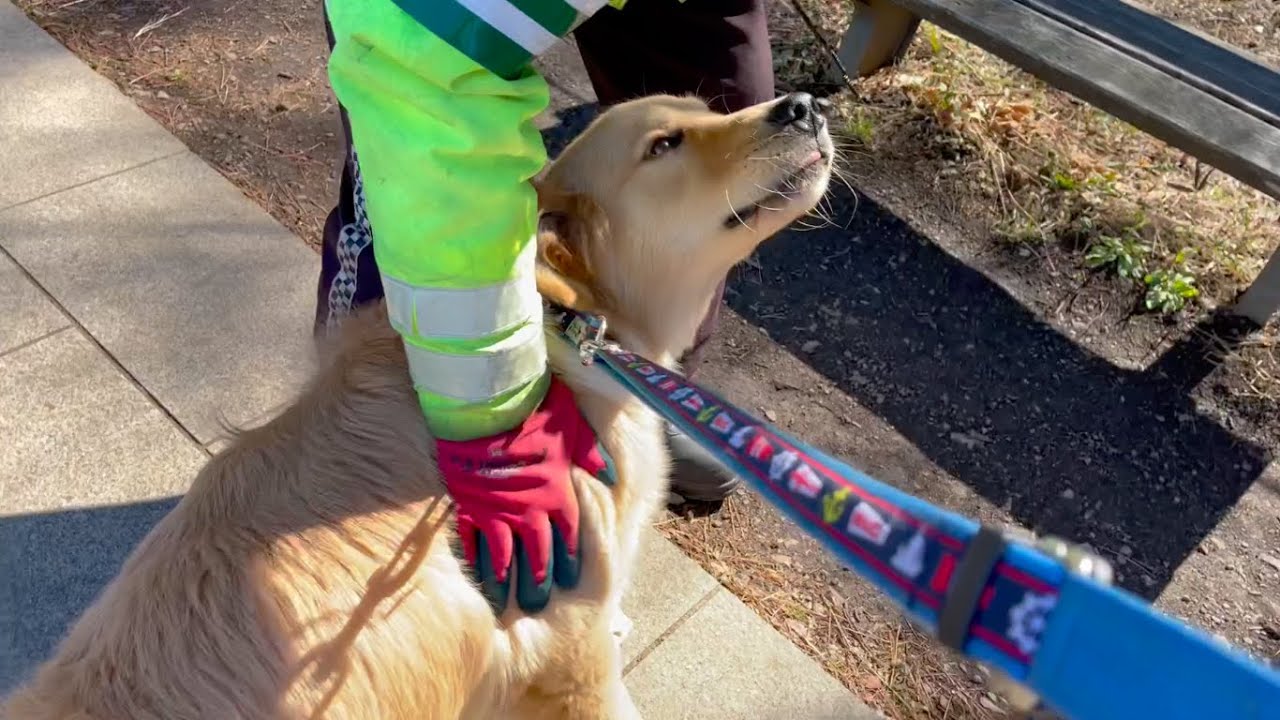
x: 309, y: 572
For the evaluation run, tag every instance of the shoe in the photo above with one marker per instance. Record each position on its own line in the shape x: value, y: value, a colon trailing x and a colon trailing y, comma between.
x: 696, y: 475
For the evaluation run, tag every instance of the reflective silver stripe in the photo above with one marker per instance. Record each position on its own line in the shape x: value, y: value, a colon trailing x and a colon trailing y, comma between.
x: 466, y: 313
x: 478, y: 378
x: 510, y: 21
x: 586, y: 8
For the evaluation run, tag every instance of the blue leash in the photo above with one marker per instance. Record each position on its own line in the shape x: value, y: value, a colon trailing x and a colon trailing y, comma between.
x: 1045, y: 617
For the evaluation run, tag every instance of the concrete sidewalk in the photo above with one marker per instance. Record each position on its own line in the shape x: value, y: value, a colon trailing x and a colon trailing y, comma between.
x: 142, y: 297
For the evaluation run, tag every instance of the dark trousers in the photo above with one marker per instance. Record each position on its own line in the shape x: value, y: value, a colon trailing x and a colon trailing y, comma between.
x: 715, y: 49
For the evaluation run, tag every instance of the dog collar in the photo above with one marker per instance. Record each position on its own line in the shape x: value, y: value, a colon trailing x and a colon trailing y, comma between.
x: 587, y: 331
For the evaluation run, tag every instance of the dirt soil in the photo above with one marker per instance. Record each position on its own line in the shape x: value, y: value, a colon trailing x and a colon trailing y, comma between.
x: 998, y: 380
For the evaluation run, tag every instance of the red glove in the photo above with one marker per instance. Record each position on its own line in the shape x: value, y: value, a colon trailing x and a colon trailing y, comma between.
x: 515, y: 498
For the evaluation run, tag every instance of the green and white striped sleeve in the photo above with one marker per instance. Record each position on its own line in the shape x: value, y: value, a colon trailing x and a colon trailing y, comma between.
x: 441, y: 97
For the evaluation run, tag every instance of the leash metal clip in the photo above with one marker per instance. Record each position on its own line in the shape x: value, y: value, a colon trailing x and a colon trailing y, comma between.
x: 587, y: 332
x: 1078, y: 560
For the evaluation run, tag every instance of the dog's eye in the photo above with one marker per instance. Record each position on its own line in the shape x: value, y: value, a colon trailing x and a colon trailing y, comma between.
x: 665, y: 144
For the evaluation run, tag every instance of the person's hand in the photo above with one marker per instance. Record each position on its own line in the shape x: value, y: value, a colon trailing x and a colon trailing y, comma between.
x: 516, y: 501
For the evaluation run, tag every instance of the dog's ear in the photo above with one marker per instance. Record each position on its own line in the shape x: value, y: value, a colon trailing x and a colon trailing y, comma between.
x: 570, y: 227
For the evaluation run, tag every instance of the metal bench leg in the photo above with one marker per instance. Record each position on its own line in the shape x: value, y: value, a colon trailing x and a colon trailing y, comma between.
x: 877, y: 36
x: 1262, y: 300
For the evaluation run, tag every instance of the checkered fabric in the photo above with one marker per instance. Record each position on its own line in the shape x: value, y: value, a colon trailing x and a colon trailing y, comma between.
x: 353, y: 239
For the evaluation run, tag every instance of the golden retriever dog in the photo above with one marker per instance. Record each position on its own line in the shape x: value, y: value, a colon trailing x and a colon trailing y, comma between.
x: 310, y: 571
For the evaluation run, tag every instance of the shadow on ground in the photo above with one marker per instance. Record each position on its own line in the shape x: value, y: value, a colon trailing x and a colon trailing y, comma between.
x: 569, y: 121
x: 53, y: 565
x: 1066, y: 442
x: 1063, y: 440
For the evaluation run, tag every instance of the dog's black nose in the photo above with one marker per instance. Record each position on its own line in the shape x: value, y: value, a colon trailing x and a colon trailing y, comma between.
x: 798, y: 109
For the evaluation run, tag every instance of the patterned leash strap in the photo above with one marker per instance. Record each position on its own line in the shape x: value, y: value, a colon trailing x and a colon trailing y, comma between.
x: 1044, y: 616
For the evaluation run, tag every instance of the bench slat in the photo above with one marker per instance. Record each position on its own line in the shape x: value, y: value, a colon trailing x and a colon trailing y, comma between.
x: 1216, y: 68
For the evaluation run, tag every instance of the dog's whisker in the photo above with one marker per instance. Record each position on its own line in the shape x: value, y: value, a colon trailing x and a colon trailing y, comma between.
x: 774, y: 191
x: 831, y: 211
x: 734, y: 211
x: 826, y: 219
x: 843, y: 177
x: 854, y: 211
x: 811, y: 227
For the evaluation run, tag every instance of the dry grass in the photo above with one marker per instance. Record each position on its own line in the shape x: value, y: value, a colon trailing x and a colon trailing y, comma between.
x: 1256, y: 364
x: 1047, y: 168
x: 1032, y: 165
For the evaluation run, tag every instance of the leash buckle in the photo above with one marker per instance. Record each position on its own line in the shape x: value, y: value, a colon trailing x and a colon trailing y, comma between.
x: 587, y: 332
x: 1078, y: 560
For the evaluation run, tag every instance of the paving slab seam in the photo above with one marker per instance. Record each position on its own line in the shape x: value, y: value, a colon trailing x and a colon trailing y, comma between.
x: 693, y: 609
x: 111, y: 358
x: 104, y: 176
x: 33, y: 341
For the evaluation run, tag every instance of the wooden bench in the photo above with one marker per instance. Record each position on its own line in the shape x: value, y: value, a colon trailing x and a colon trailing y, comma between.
x: 1199, y: 95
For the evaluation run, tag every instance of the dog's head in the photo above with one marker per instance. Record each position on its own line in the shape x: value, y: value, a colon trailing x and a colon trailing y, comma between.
x: 644, y: 213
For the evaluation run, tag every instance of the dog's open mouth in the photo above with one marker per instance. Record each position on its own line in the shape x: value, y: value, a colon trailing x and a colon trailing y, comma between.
x: 781, y: 193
